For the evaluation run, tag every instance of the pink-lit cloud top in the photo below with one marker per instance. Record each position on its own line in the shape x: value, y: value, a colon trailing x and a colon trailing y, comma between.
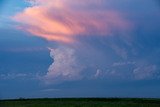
x: 63, y: 20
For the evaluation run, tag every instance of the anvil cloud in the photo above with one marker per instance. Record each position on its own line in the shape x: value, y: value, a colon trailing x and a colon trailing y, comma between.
x: 64, y: 20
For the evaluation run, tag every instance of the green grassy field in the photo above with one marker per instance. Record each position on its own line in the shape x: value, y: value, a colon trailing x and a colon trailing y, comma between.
x: 82, y: 102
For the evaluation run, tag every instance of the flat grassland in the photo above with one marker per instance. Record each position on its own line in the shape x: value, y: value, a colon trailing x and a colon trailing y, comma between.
x: 82, y: 102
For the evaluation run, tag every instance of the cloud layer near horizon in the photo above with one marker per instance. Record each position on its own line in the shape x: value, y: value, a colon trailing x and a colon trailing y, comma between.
x: 63, y: 20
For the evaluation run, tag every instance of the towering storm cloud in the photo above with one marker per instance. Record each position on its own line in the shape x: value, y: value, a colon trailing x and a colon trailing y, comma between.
x: 65, y: 65
x: 65, y: 22
x: 94, y: 39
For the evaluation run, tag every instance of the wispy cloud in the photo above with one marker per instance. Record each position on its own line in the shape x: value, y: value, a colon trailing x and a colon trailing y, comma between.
x: 31, y: 49
x: 145, y: 72
x: 12, y: 76
x: 49, y: 90
x: 123, y: 63
x: 129, y: 71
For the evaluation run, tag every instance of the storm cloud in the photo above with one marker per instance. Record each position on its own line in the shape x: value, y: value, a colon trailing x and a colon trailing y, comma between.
x: 92, y: 43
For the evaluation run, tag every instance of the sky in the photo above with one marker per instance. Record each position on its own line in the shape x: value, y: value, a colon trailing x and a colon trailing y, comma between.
x: 79, y: 48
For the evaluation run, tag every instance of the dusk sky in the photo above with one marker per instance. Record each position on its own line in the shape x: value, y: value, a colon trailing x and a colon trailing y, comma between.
x: 79, y: 48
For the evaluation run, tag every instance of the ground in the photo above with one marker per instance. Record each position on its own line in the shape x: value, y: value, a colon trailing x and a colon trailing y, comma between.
x: 81, y: 102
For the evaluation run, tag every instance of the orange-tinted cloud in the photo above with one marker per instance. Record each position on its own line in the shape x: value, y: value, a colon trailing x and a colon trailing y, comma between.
x: 60, y: 20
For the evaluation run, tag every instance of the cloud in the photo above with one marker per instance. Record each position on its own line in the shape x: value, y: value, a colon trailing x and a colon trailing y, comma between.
x: 129, y: 70
x: 63, y: 20
x: 12, y: 76
x: 65, y: 66
x: 32, y: 49
x: 121, y: 51
x: 69, y: 21
x: 144, y: 72
x: 98, y: 73
x: 49, y: 90
x: 123, y: 63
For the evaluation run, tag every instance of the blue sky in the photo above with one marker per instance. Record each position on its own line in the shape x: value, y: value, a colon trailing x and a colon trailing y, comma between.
x: 74, y: 48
